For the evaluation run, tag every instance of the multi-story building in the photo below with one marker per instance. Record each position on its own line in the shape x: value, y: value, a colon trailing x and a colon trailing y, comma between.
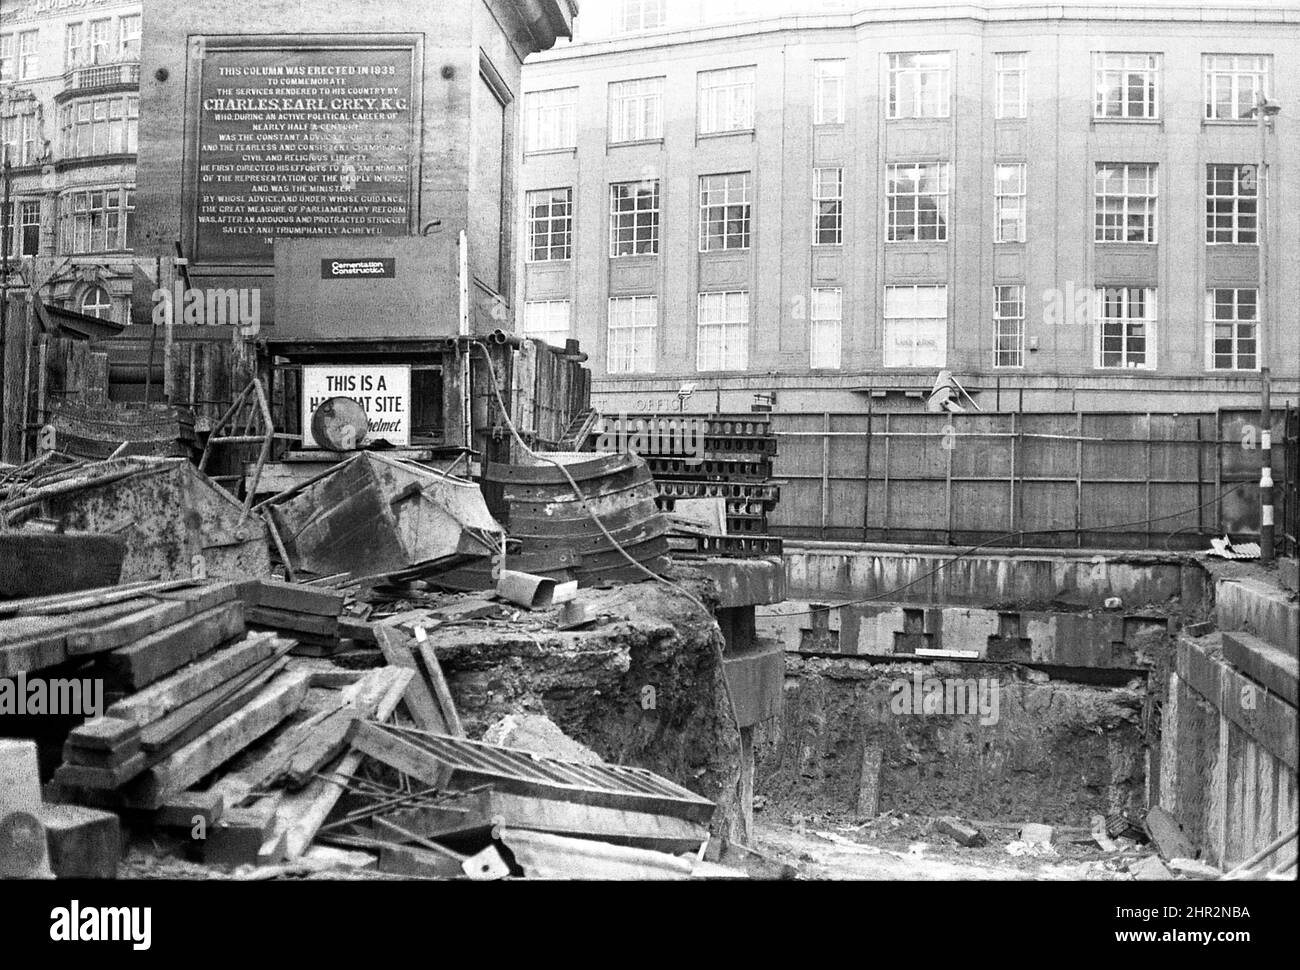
x: 69, y: 77
x: 836, y: 201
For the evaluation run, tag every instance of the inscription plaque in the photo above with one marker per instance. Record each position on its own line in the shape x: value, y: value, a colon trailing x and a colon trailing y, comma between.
x: 312, y: 141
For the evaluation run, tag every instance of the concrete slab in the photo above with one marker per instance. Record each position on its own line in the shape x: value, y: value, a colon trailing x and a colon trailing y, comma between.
x: 1263, y: 663
x: 84, y: 843
x: 1266, y: 610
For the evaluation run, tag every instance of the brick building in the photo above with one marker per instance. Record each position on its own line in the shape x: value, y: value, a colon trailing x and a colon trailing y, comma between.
x: 69, y: 108
x: 1060, y: 207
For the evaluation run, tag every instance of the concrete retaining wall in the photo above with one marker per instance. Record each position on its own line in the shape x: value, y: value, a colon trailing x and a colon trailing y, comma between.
x: 1025, y: 578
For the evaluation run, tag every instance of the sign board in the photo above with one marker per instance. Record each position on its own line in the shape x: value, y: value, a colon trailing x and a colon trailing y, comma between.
x: 358, y: 269
x: 302, y: 140
x: 383, y: 391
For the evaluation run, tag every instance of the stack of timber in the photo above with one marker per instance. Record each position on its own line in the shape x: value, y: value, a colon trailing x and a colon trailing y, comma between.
x: 310, y: 614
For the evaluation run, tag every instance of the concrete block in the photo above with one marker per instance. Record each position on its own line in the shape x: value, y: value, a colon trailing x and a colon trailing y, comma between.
x: 967, y: 629
x: 1261, y: 608
x: 1035, y: 833
x: 1288, y: 574
x: 1263, y: 663
x: 20, y: 777
x: 84, y: 843
x: 1263, y: 716
x: 876, y: 629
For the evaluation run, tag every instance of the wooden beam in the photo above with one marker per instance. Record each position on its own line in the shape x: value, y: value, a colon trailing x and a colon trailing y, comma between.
x: 194, y: 680
x: 181, y: 769
x: 302, y: 814
x: 419, y: 698
x: 159, y: 654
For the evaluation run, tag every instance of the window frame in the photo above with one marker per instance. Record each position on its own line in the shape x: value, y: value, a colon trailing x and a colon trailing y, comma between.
x: 724, y: 323
x: 125, y: 50
x: 19, y: 226
x: 27, y: 58
x: 1236, y: 323
x: 821, y: 81
x: 1021, y: 194
x: 893, y: 198
x: 1236, y: 231
x: 616, y: 215
x: 940, y: 324
x: 645, y: 131
x: 539, y: 115
x: 538, y: 333
x: 623, y: 24
x: 1149, y: 321
x: 1000, y: 72
x: 816, y: 316
x: 1154, y: 87
x: 917, y: 109
x: 634, y: 329
x: 738, y: 95
x: 78, y: 224
x: 549, y: 219
x: 1128, y: 207
x: 1234, y: 74
x: 820, y: 200
x: 723, y: 216
x: 1014, y: 332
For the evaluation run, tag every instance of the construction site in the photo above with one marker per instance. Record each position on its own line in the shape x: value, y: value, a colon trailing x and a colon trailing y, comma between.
x: 316, y: 566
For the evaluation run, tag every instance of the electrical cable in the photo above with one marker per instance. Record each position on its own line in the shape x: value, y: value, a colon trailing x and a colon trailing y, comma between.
x: 577, y: 490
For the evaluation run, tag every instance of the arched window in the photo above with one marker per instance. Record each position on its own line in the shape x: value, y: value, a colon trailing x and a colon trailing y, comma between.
x: 95, y: 303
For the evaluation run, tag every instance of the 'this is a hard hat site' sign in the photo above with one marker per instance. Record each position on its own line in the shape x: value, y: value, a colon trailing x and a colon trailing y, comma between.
x: 384, y: 393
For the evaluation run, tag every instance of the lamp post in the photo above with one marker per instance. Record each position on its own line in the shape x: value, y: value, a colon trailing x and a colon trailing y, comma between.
x: 1264, y: 111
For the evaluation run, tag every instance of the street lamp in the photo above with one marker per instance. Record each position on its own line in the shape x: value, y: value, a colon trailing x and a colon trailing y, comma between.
x: 1264, y: 111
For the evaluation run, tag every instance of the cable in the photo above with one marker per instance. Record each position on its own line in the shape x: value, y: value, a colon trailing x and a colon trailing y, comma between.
x: 1006, y: 535
x: 577, y: 490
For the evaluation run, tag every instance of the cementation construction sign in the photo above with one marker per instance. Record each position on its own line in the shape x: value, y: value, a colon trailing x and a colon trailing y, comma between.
x: 384, y: 393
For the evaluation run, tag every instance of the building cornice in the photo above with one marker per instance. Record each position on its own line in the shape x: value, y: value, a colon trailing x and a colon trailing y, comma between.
x: 1044, y: 13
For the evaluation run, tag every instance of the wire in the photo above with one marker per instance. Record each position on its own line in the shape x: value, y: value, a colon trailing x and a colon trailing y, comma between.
x: 577, y: 490
x: 1006, y: 535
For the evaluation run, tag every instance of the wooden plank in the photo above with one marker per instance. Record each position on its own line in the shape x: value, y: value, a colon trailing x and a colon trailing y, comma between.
x: 82, y: 642
x: 182, y: 768
x: 419, y: 698
x: 302, y: 814
x: 184, y: 724
x: 193, y: 681
x: 292, y: 597
x: 33, y: 642
x: 205, y: 597
x: 319, y: 626
x: 80, y: 776
x: 159, y: 654
x: 104, y: 733
x: 326, y: 742
x: 441, y: 691
x: 65, y: 603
